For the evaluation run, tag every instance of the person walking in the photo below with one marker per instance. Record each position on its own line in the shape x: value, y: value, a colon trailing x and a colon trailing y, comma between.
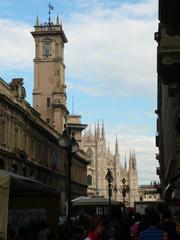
x: 96, y: 229
x: 152, y: 231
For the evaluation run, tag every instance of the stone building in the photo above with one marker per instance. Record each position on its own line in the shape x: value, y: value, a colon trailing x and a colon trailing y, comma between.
x: 149, y: 193
x: 100, y: 158
x: 29, y: 147
x: 168, y: 107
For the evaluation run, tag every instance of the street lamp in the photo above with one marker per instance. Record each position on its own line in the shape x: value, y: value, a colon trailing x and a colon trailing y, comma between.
x: 68, y: 141
x: 125, y: 189
x: 109, y: 178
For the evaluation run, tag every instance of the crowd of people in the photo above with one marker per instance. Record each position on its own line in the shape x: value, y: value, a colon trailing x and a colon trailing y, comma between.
x: 117, y: 225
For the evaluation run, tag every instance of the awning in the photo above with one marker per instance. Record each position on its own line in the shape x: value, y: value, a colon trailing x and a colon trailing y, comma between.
x: 11, y: 184
x: 93, y: 201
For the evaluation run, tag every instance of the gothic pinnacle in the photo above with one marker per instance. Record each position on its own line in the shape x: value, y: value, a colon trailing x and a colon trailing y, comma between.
x: 57, y: 20
x: 37, y: 21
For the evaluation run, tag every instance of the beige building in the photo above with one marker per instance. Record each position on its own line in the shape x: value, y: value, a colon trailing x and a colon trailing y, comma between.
x: 149, y: 193
x: 49, y: 95
x: 100, y: 159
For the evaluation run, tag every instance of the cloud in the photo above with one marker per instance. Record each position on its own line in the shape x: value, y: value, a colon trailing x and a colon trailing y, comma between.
x: 17, y: 49
x: 112, y: 50
x: 136, y: 137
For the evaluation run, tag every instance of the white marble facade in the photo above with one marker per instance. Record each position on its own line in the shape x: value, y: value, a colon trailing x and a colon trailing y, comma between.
x: 100, y: 159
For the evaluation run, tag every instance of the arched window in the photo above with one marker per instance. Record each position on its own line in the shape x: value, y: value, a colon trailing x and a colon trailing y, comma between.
x: 89, y: 155
x: 2, y: 165
x: 89, y: 180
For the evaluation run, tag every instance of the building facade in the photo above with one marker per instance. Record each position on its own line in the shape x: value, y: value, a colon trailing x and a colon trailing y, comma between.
x: 149, y: 193
x: 168, y: 107
x: 100, y: 159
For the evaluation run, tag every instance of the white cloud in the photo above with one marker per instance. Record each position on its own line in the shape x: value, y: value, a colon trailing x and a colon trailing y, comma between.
x: 17, y: 49
x: 136, y: 137
x: 112, y: 50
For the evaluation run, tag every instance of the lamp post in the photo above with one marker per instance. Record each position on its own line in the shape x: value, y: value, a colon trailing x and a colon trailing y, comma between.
x: 68, y: 142
x: 125, y: 189
x: 109, y: 178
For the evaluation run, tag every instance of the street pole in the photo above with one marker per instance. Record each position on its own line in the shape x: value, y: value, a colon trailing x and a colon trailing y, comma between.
x: 109, y: 185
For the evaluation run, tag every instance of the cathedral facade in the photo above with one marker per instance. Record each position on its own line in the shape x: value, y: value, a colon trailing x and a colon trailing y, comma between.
x: 101, y: 159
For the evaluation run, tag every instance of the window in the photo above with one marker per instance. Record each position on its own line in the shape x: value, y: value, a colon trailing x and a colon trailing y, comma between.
x: 89, y: 180
x: 48, y: 102
x: 89, y: 155
x: 47, y: 49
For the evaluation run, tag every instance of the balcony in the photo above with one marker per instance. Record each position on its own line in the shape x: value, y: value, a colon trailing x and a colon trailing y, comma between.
x: 157, y: 156
x: 157, y: 140
x: 158, y: 171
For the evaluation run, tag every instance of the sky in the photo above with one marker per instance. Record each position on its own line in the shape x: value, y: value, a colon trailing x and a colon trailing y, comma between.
x: 110, y: 63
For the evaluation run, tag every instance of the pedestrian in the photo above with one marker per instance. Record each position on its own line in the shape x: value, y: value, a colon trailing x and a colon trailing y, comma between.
x: 168, y: 225
x: 117, y: 227
x: 152, y: 232
x: 96, y: 228
x: 43, y: 231
x: 134, y: 230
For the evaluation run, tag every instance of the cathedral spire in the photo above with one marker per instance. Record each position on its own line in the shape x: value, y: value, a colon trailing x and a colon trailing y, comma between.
x: 116, y: 148
x: 102, y: 132
x: 98, y: 131
x: 130, y: 159
x: 95, y: 132
x: 125, y: 163
x: 134, y: 159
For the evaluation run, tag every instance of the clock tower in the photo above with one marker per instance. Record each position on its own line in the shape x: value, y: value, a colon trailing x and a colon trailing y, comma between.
x: 49, y: 94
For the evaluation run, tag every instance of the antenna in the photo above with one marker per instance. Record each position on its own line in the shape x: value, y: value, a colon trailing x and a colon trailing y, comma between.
x: 50, y: 8
x: 72, y: 104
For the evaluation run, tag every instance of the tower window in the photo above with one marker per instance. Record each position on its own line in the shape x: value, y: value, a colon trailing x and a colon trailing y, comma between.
x: 48, y: 102
x: 47, y: 49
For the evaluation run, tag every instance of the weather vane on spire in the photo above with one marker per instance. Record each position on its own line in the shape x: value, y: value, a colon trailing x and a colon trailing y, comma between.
x: 50, y: 8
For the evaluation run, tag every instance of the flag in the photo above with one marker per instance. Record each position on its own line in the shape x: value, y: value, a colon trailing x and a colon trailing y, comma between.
x: 51, y: 7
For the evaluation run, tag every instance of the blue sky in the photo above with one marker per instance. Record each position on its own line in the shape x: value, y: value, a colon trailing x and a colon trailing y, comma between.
x: 110, y: 65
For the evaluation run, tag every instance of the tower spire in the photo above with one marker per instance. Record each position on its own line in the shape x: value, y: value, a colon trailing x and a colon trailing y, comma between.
x: 37, y: 21
x: 95, y: 132
x: 125, y: 163
x: 134, y: 159
x: 57, y: 20
x: 130, y: 159
x: 98, y: 130
x: 116, y: 147
x: 103, y: 132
